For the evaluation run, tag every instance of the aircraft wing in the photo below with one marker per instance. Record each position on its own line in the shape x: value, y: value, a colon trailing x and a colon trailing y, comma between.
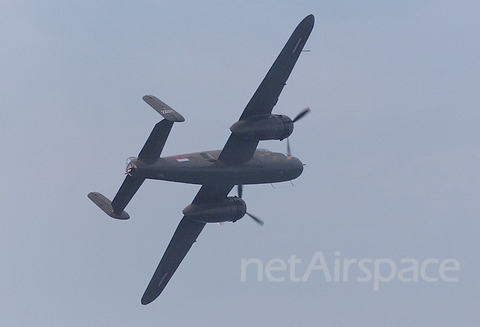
x: 266, y: 96
x: 183, y: 238
x: 238, y: 150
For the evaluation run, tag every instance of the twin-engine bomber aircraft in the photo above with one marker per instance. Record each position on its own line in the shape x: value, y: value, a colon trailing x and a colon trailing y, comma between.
x: 238, y: 163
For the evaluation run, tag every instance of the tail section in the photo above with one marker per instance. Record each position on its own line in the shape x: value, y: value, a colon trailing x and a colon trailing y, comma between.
x: 153, y: 147
x: 149, y: 154
x: 106, y: 205
x: 163, y: 109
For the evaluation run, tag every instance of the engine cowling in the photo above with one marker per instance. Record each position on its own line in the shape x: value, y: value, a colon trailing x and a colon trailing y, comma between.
x: 268, y: 127
x: 231, y: 209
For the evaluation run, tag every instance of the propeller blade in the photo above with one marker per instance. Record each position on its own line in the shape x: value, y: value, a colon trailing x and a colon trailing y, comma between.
x: 301, y: 114
x: 240, y: 190
x: 257, y: 220
x: 289, y: 151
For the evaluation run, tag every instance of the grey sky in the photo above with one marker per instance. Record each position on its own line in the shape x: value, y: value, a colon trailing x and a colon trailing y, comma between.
x: 391, y: 151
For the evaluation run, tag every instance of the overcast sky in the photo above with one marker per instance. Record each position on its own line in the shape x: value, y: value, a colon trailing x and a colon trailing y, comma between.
x: 391, y: 147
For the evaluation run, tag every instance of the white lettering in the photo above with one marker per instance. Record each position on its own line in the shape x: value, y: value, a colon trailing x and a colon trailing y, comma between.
x: 368, y: 273
x: 245, y: 263
x: 322, y: 266
x: 423, y: 270
x: 336, y: 269
x: 443, y: 267
x: 413, y: 269
x: 377, y: 277
x: 382, y: 271
x: 270, y: 266
x: 292, y: 261
x: 346, y: 264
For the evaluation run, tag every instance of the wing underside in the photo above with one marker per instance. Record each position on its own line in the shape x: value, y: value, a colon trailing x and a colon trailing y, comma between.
x: 182, y: 240
x: 266, y: 96
x: 185, y: 235
x: 238, y: 150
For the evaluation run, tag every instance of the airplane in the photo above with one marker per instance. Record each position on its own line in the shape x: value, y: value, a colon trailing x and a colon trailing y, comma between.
x: 218, y: 172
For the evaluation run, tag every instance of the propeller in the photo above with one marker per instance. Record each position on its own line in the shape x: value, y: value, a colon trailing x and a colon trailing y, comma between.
x: 255, y: 218
x: 289, y: 151
x: 300, y: 115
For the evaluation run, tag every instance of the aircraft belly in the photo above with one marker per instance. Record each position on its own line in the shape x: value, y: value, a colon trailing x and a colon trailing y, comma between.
x: 254, y: 174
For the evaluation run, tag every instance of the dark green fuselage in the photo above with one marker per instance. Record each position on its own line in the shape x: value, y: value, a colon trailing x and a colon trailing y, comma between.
x: 204, y: 168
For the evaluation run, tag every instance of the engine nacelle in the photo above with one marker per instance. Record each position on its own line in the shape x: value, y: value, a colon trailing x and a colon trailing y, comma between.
x: 268, y: 127
x: 231, y: 209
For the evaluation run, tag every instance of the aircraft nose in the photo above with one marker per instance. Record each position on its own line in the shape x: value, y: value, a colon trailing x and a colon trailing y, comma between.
x: 295, y: 160
x: 296, y: 165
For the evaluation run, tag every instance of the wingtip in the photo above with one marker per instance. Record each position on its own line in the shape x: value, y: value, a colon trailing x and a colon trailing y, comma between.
x: 310, y: 20
x: 145, y: 301
x: 154, y: 288
x: 149, y: 297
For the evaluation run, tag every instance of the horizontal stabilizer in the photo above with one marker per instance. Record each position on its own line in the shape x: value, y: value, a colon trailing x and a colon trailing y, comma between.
x: 106, y: 205
x: 163, y: 109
